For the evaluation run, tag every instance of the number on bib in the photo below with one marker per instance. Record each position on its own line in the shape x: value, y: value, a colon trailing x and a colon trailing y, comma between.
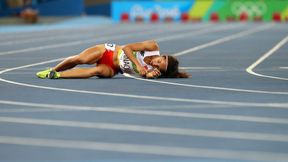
x: 110, y: 46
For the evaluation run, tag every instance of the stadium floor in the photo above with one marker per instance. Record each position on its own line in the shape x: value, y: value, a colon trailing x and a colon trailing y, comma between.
x: 234, y: 108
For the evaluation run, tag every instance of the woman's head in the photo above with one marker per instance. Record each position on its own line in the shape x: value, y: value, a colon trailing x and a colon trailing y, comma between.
x: 159, y: 62
x: 168, y: 66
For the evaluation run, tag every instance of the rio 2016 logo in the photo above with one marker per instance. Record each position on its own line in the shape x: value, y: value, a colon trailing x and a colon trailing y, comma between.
x: 145, y: 12
x: 252, y: 8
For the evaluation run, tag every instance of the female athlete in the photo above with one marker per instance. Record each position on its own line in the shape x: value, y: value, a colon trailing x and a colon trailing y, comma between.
x: 141, y: 58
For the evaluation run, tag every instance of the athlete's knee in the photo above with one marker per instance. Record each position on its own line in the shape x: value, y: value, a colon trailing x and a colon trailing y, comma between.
x: 105, y: 72
x: 79, y: 60
x: 73, y: 59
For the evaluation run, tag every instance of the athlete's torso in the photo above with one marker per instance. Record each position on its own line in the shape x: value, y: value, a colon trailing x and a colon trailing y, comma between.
x: 123, y: 62
x: 127, y: 66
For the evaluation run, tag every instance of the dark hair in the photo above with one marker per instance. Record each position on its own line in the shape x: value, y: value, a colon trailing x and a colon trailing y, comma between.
x: 172, y: 70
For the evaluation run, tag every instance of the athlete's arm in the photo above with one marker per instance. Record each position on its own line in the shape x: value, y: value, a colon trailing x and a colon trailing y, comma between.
x: 140, y: 46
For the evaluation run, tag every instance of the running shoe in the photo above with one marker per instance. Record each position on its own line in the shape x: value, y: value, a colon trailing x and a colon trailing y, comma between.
x: 53, y: 75
x: 44, y: 74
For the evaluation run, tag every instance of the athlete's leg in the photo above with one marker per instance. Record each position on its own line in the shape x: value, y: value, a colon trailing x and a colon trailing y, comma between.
x: 99, y: 70
x: 88, y: 56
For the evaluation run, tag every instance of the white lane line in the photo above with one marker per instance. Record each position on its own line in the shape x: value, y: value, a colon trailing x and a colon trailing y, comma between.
x: 145, y: 149
x: 154, y: 107
x: 196, y: 33
x: 64, y: 32
x: 150, y: 129
x: 265, y: 56
x: 283, y: 105
x: 47, y: 38
x: 208, y: 87
x: 30, y: 65
x: 47, y: 32
x: 27, y: 110
x: 171, y: 99
x: 201, y: 68
x: 224, y: 39
x: 179, y: 107
x: 283, y: 67
x: 63, y: 35
x: 36, y: 110
x: 120, y: 36
x: 215, y: 42
x: 255, y: 119
x: 88, y: 35
x: 27, y: 69
x: 71, y: 36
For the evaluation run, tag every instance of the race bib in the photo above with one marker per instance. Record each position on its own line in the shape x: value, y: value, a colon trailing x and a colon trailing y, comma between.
x: 110, y: 47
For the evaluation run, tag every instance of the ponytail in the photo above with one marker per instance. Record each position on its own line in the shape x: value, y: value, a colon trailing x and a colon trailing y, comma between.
x: 183, y: 75
x: 172, y: 70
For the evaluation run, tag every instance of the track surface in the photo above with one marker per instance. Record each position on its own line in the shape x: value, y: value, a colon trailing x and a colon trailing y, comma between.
x: 234, y: 108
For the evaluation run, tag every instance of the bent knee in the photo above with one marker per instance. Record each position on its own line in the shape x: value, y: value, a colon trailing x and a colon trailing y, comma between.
x: 78, y: 60
x: 105, y: 71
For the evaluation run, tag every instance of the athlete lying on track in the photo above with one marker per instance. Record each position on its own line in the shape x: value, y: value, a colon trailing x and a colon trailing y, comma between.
x: 141, y: 58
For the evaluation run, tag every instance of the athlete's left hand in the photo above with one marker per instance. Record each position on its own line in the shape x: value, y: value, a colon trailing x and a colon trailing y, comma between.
x: 142, y: 71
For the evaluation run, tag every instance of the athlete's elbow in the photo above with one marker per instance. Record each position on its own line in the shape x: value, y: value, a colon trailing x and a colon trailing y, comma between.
x: 152, y: 45
x: 126, y: 48
x: 151, y: 41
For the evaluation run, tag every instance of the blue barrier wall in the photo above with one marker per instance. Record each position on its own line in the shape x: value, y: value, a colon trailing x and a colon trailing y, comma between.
x: 48, y: 8
x: 61, y: 8
x: 99, y: 9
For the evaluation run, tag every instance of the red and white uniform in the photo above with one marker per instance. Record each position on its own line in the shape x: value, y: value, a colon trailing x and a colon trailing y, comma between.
x: 127, y: 66
x: 107, y: 58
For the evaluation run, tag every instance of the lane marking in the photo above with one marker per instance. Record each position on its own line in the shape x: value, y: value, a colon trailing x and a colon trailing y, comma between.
x: 224, y: 39
x: 26, y: 69
x: 111, y: 37
x: 283, y: 67
x: 212, y: 43
x: 154, y: 107
x: 207, y: 87
x: 145, y: 149
x: 242, y: 118
x: 150, y: 129
x: 283, y: 105
x: 27, y: 110
x: 265, y: 56
x: 279, y: 105
x: 47, y: 38
x: 165, y: 147
x: 57, y: 37
x: 196, y: 33
x: 43, y: 33
x: 120, y: 36
x: 91, y: 34
x: 201, y: 68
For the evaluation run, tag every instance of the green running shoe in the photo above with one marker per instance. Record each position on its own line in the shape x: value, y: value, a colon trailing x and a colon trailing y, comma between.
x: 53, y: 75
x: 44, y: 74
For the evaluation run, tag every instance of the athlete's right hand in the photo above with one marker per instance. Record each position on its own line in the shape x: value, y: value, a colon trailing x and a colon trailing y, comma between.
x: 142, y: 71
x: 155, y: 73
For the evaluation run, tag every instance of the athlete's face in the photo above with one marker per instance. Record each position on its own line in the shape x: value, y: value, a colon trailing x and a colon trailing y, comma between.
x: 159, y: 63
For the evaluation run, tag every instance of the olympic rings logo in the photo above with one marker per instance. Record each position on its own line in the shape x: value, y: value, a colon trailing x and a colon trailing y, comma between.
x: 249, y: 7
